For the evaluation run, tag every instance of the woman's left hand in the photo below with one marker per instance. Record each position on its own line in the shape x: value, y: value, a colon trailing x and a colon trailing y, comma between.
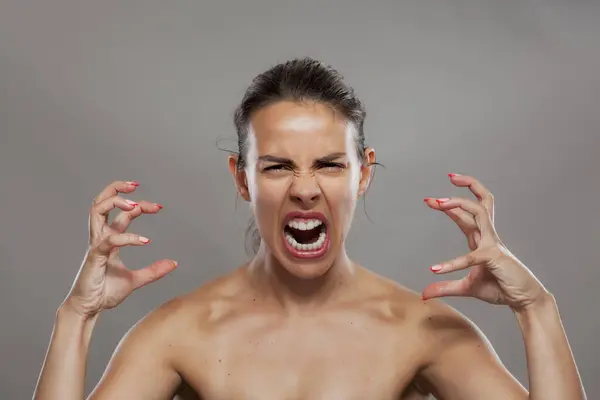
x: 496, y: 275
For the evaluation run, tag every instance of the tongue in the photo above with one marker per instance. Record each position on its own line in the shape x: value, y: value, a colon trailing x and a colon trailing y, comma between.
x: 305, y: 237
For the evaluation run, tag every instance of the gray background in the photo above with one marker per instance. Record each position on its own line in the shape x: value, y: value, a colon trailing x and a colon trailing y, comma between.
x: 507, y: 91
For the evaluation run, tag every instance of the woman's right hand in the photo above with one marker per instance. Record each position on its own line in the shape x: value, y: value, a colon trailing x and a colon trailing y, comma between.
x: 103, y: 281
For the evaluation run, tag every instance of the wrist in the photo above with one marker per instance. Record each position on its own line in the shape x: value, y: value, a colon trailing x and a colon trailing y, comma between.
x: 68, y: 313
x: 539, y: 310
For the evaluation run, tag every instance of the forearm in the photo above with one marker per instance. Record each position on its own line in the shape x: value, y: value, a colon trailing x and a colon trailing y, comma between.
x: 552, y: 370
x: 63, y: 372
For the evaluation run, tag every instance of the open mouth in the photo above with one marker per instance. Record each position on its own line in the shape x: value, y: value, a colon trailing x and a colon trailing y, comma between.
x: 306, y: 237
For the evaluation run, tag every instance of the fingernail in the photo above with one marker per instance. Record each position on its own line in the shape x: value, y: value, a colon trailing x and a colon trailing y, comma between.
x: 144, y: 240
x: 427, y: 199
x: 133, y: 183
x: 175, y: 264
x: 131, y: 203
x: 158, y: 205
x: 442, y: 200
x: 453, y: 175
x: 436, y: 268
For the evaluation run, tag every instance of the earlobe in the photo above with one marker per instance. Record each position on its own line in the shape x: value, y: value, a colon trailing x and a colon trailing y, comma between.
x: 243, y: 186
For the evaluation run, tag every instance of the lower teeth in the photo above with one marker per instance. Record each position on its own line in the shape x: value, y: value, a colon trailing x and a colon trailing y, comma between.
x: 306, y: 247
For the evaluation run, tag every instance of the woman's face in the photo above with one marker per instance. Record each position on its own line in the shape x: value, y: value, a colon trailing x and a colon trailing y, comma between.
x: 303, y: 178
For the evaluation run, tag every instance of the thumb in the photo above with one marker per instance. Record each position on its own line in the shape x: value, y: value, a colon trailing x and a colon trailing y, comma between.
x: 458, y: 287
x: 152, y: 273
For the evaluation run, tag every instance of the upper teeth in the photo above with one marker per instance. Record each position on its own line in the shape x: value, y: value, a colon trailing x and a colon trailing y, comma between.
x: 304, y: 225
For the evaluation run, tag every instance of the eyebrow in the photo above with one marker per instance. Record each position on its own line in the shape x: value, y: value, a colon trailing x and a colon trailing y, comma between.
x: 287, y: 161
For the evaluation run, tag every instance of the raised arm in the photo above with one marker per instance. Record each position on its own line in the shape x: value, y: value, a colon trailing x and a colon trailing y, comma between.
x: 464, y: 367
x: 141, y: 366
x: 104, y: 282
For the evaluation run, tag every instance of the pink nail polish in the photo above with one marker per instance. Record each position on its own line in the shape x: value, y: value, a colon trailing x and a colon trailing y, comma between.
x: 442, y: 200
x: 144, y: 240
x: 133, y: 183
x: 160, y: 206
x: 131, y: 203
x: 436, y: 268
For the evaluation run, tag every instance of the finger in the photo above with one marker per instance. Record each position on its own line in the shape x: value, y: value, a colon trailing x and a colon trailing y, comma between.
x: 152, y: 273
x: 104, y: 207
x: 115, y: 188
x: 463, y: 219
x: 123, y: 219
x: 477, y: 257
x: 99, y: 212
x: 477, y: 188
x: 120, y: 240
x: 459, y: 287
x: 479, y: 212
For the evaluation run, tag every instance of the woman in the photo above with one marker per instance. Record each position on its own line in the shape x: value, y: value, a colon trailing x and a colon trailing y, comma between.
x: 301, y: 320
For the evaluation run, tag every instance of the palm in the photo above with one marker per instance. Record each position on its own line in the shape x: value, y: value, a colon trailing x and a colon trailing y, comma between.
x: 103, y: 280
x: 118, y: 282
x: 480, y: 282
x: 495, y: 274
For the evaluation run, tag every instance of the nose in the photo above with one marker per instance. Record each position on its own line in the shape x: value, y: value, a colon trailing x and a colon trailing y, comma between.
x: 305, y: 191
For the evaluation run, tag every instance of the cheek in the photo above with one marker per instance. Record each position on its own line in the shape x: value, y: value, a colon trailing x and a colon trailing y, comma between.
x: 268, y: 198
x: 340, y: 192
x: 270, y: 190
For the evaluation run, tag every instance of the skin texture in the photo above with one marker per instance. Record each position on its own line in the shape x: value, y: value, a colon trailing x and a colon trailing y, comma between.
x: 281, y: 328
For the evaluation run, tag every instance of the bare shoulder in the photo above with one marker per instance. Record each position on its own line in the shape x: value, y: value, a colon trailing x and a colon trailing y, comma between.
x: 190, y: 312
x: 176, y: 323
x: 403, y: 303
x: 445, y: 340
x: 146, y: 363
x: 433, y: 322
x: 433, y: 316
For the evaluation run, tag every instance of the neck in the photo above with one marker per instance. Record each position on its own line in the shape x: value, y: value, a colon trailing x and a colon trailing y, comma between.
x: 294, y: 293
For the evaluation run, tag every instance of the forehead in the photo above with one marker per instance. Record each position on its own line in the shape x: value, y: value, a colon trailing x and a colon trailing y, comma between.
x: 292, y: 127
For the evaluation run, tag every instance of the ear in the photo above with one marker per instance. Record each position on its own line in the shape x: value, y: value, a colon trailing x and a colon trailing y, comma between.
x: 239, y: 177
x: 366, y: 170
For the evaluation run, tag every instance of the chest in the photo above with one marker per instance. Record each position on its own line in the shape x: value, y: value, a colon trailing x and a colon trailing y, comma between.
x: 350, y: 362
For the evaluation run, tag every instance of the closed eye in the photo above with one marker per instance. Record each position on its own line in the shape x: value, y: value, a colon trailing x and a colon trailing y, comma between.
x: 331, y: 166
x: 276, y: 167
x: 327, y: 166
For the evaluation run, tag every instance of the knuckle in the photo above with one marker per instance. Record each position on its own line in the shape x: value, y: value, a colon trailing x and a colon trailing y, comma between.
x: 483, y: 210
x: 494, y: 253
x: 145, y: 204
x: 470, y: 258
x: 110, y: 240
x: 127, y: 216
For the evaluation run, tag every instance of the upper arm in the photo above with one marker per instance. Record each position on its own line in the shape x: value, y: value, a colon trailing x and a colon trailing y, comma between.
x: 141, y: 366
x: 462, y: 364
